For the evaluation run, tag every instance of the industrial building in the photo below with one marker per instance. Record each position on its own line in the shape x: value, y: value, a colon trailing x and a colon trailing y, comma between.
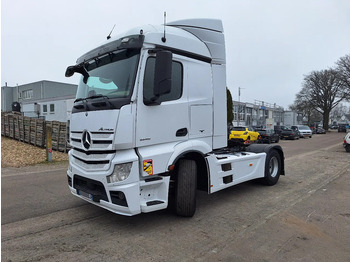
x: 43, y: 99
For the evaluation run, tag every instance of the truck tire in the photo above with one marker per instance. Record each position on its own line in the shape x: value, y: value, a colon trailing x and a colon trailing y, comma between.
x: 186, y: 185
x: 272, y: 168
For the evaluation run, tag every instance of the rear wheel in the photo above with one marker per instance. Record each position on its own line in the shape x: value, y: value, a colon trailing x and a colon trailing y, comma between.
x: 186, y: 185
x: 272, y: 168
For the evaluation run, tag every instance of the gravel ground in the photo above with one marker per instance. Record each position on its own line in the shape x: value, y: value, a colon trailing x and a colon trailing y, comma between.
x: 18, y: 154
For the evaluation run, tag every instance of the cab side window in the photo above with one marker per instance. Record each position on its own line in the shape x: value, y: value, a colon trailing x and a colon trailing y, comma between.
x: 176, y: 85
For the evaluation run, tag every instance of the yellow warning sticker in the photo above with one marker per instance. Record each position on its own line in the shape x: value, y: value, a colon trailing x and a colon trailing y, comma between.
x: 148, y: 166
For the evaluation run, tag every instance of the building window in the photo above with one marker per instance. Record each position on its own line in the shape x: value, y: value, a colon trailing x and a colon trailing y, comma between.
x: 52, y: 108
x: 27, y: 94
x: 235, y: 114
x: 241, y: 112
x: 44, y: 108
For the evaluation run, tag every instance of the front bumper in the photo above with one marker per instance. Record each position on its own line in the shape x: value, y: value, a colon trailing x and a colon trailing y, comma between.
x: 305, y: 135
x: 129, y: 197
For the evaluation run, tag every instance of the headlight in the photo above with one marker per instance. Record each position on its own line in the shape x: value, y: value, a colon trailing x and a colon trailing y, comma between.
x: 120, y: 173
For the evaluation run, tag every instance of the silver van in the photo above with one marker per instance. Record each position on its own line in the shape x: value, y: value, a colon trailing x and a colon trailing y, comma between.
x: 304, y: 131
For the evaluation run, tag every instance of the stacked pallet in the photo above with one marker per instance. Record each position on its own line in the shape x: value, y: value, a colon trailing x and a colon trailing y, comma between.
x: 33, y: 130
x: 59, y: 135
x: 37, y: 132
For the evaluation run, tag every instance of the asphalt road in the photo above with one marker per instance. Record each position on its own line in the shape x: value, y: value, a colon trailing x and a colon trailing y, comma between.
x: 305, y: 217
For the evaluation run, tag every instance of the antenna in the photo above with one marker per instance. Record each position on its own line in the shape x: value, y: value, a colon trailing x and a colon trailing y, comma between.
x: 163, y: 38
x: 109, y: 36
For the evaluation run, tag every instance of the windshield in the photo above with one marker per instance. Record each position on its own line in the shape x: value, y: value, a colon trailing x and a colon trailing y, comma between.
x: 112, y: 75
x: 239, y: 128
x: 304, y: 128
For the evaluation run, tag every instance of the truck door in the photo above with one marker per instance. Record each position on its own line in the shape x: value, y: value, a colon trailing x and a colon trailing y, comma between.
x: 167, y: 120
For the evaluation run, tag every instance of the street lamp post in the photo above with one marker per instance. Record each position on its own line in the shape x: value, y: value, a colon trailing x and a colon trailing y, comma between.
x: 239, y: 104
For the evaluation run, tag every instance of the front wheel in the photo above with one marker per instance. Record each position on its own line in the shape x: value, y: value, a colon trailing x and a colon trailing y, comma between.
x: 272, y: 168
x: 186, y: 185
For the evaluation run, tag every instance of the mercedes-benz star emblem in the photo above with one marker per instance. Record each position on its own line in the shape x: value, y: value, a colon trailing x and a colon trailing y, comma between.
x: 86, y: 139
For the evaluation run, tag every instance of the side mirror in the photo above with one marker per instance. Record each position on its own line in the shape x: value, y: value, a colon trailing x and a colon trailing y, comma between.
x: 77, y: 69
x: 162, y: 75
x: 70, y: 71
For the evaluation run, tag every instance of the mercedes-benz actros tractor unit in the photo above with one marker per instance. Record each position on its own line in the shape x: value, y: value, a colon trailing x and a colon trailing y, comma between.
x: 149, y: 126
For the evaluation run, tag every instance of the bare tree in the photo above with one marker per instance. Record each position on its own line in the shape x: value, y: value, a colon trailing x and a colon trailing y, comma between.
x: 343, y: 68
x: 302, y: 106
x: 337, y: 112
x: 323, y: 90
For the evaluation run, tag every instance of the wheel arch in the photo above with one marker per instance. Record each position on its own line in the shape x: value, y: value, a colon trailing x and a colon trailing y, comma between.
x: 202, y: 167
x: 262, y: 148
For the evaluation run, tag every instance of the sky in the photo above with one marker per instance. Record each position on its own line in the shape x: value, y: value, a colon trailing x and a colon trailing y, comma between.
x: 270, y: 44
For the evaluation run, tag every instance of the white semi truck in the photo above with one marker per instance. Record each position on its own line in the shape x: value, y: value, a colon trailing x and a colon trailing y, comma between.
x: 149, y: 124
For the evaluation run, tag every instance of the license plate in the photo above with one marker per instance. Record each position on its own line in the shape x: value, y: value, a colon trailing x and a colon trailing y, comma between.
x: 84, y: 194
x: 286, y: 136
x: 236, y: 135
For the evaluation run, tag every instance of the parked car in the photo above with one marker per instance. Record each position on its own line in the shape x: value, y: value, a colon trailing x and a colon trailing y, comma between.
x: 346, y: 143
x: 278, y: 129
x: 342, y: 128
x: 304, y: 131
x: 318, y: 130
x: 288, y: 133
x: 268, y: 136
x: 243, y: 134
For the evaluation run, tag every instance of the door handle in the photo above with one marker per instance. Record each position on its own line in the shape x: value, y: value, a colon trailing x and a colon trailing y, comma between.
x: 182, y: 132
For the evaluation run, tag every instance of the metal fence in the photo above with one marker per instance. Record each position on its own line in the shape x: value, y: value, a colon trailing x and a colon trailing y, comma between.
x: 33, y: 130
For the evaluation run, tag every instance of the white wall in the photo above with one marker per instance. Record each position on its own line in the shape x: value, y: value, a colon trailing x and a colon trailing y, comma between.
x: 62, y: 110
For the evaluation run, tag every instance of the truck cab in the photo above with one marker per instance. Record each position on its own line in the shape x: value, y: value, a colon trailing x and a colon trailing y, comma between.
x: 150, y: 115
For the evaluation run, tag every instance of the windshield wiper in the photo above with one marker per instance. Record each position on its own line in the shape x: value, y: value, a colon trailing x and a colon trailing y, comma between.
x: 97, y: 96
x: 96, y: 104
x: 90, y: 97
x: 79, y: 99
x: 101, y: 103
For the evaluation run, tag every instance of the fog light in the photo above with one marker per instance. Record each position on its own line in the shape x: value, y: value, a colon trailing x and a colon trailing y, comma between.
x: 120, y: 173
x: 121, y: 195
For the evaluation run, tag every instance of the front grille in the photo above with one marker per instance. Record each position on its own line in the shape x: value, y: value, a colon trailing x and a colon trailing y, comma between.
x: 99, y: 140
x: 92, y: 162
x: 98, y: 155
x: 89, y: 186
